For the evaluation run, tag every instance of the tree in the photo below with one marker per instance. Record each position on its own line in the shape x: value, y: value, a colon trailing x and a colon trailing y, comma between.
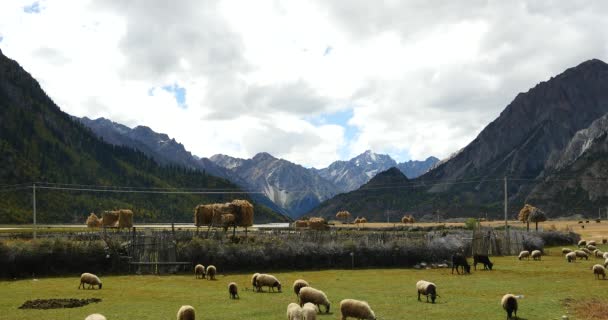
x: 536, y: 216
x: 524, y: 213
x: 343, y: 215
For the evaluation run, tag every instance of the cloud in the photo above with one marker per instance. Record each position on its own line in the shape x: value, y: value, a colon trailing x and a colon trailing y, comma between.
x: 32, y: 8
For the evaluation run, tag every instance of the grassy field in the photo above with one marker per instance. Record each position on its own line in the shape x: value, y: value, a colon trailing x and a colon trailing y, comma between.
x: 391, y: 293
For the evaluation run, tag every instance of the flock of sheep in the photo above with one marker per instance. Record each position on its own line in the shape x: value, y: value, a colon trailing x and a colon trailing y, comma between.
x: 586, y: 249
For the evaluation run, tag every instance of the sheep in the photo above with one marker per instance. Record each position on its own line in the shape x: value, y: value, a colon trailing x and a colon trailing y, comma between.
x: 587, y: 251
x: 536, y: 254
x: 317, y: 297
x: 186, y: 313
x: 524, y: 254
x: 309, y: 311
x: 591, y: 247
x: 509, y: 303
x: 299, y: 284
x: 566, y: 250
x: 90, y: 279
x: 606, y: 263
x: 254, y: 278
x: 598, y: 270
x: 267, y: 280
x: 605, y: 255
x: 480, y: 258
x: 95, y: 316
x: 582, y: 243
x: 598, y: 253
x: 211, y: 272
x: 426, y: 288
x: 199, y: 269
x: 458, y: 259
x: 581, y: 254
x: 356, y: 309
x: 233, y: 290
x: 592, y: 243
x: 571, y: 256
x: 294, y: 312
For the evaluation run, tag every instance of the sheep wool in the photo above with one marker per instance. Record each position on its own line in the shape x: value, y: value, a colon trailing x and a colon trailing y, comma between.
x: 581, y: 254
x: 233, y: 290
x: 566, y: 250
x: 524, y: 254
x: 314, y: 296
x: 294, y: 312
x: 211, y: 272
x: 199, y: 270
x: 267, y: 280
x: 356, y: 309
x: 426, y: 288
x: 571, y: 256
x: 605, y: 255
x: 582, y: 243
x: 509, y: 303
x: 591, y: 243
x: 95, y: 316
x: 90, y: 279
x: 186, y: 313
x: 536, y: 254
x: 606, y: 263
x: 299, y: 284
x: 254, y: 282
x: 309, y: 312
x: 598, y: 270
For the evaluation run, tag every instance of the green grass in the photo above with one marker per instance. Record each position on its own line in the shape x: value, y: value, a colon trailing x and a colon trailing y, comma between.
x: 390, y: 292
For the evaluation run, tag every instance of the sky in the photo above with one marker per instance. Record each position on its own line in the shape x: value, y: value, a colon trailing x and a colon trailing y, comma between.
x: 308, y: 81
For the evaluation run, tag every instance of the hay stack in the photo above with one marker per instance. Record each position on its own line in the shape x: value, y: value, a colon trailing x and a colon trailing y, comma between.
x: 125, y: 218
x: 212, y: 214
x: 301, y: 224
x: 407, y: 219
x: 109, y: 219
x: 228, y: 220
x: 93, y: 221
x: 317, y: 224
x: 243, y: 211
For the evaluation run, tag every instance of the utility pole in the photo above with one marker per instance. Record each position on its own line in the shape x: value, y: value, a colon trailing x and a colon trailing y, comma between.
x: 34, y: 208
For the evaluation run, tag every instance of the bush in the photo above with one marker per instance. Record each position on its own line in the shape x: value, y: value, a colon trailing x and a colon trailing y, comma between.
x: 470, y: 224
x: 555, y: 238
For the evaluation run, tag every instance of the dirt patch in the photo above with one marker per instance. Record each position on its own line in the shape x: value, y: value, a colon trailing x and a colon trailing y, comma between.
x: 588, y: 309
x: 57, y: 303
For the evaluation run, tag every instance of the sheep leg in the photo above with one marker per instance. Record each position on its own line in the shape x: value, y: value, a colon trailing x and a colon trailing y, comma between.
x: 418, y: 295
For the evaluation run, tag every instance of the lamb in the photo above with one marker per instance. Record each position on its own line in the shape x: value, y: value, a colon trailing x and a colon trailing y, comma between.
x: 356, y: 309
x: 267, y: 280
x: 426, y: 288
x: 480, y: 258
x: 571, y: 256
x: 524, y: 254
x: 309, y: 311
x: 299, y: 284
x: 186, y: 313
x: 509, y: 303
x: 536, y: 254
x: 598, y: 253
x: 566, y: 250
x: 90, y: 279
x: 317, y: 297
x: 294, y: 312
x: 581, y: 254
x: 582, y: 243
x: 598, y: 270
x: 199, y: 269
x: 95, y: 316
x: 233, y: 290
x: 458, y: 259
x: 211, y: 272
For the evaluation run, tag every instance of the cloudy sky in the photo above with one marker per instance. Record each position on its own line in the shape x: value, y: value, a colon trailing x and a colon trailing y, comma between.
x: 308, y: 81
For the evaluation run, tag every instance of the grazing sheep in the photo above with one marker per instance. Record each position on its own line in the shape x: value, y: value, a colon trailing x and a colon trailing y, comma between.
x: 186, y: 313
x: 294, y: 312
x: 509, y: 303
x: 458, y: 259
x: 356, y: 309
x: 571, y: 256
x: 598, y: 270
x: 254, y: 281
x: 426, y: 288
x: 267, y: 280
x: 309, y: 311
x: 598, y: 253
x: 199, y: 269
x: 524, y: 254
x: 95, y: 316
x: 591, y: 247
x: 299, y: 284
x: 582, y: 243
x: 606, y: 263
x: 481, y: 258
x: 211, y: 272
x: 592, y: 243
x: 605, y: 255
x: 536, y: 254
x: 317, y: 297
x: 90, y: 279
x: 566, y: 250
x: 233, y: 290
x: 587, y: 251
x: 581, y: 254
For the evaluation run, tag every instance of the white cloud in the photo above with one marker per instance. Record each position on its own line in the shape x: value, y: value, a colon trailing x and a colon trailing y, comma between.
x: 421, y: 77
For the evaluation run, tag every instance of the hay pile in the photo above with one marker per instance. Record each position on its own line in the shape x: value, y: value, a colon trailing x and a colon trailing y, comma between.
x: 228, y: 220
x: 109, y: 219
x: 300, y: 224
x: 237, y: 212
x: 125, y: 218
x: 360, y: 220
x: 93, y: 221
x: 243, y: 211
x: 317, y: 224
x: 407, y: 219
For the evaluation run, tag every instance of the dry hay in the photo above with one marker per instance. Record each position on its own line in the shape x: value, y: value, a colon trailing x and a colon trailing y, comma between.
x: 211, y: 214
x: 343, y: 214
x: 228, y: 219
x: 317, y: 224
x: 301, y: 224
x: 407, y: 219
x: 93, y: 221
x: 109, y: 219
x: 125, y: 218
x: 57, y: 303
x: 588, y: 309
x: 243, y: 210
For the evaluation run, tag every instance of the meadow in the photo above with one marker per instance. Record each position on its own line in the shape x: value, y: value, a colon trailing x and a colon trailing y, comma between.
x: 546, y: 285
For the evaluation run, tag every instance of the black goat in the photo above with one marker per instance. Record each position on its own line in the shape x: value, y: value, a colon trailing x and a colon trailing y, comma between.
x: 458, y: 259
x: 480, y: 258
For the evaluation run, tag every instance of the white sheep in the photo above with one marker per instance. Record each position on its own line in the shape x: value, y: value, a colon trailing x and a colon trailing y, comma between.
x: 426, y: 288
x: 90, y: 279
x: 582, y: 243
x: 294, y: 312
x: 606, y: 263
x: 587, y: 251
x: 581, y: 254
x: 254, y: 282
x: 233, y: 290
x: 356, y: 309
x: 186, y: 313
x: 267, y: 280
x: 591, y: 247
x: 95, y: 316
x: 524, y: 254
x: 598, y: 253
x: 299, y: 284
x: 592, y: 243
x: 536, y: 254
x: 598, y: 270
x: 199, y: 269
x: 566, y: 250
x: 309, y: 311
x: 571, y: 256
x: 605, y: 255
x: 211, y: 271
x: 317, y: 297
x: 509, y: 304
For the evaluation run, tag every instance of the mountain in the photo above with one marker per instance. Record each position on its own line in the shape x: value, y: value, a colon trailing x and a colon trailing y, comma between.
x: 350, y: 175
x: 415, y: 168
x: 287, y: 184
x: 39, y: 142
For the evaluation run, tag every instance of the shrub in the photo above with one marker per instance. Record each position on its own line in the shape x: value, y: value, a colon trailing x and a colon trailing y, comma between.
x: 555, y: 238
x: 470, y: 224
